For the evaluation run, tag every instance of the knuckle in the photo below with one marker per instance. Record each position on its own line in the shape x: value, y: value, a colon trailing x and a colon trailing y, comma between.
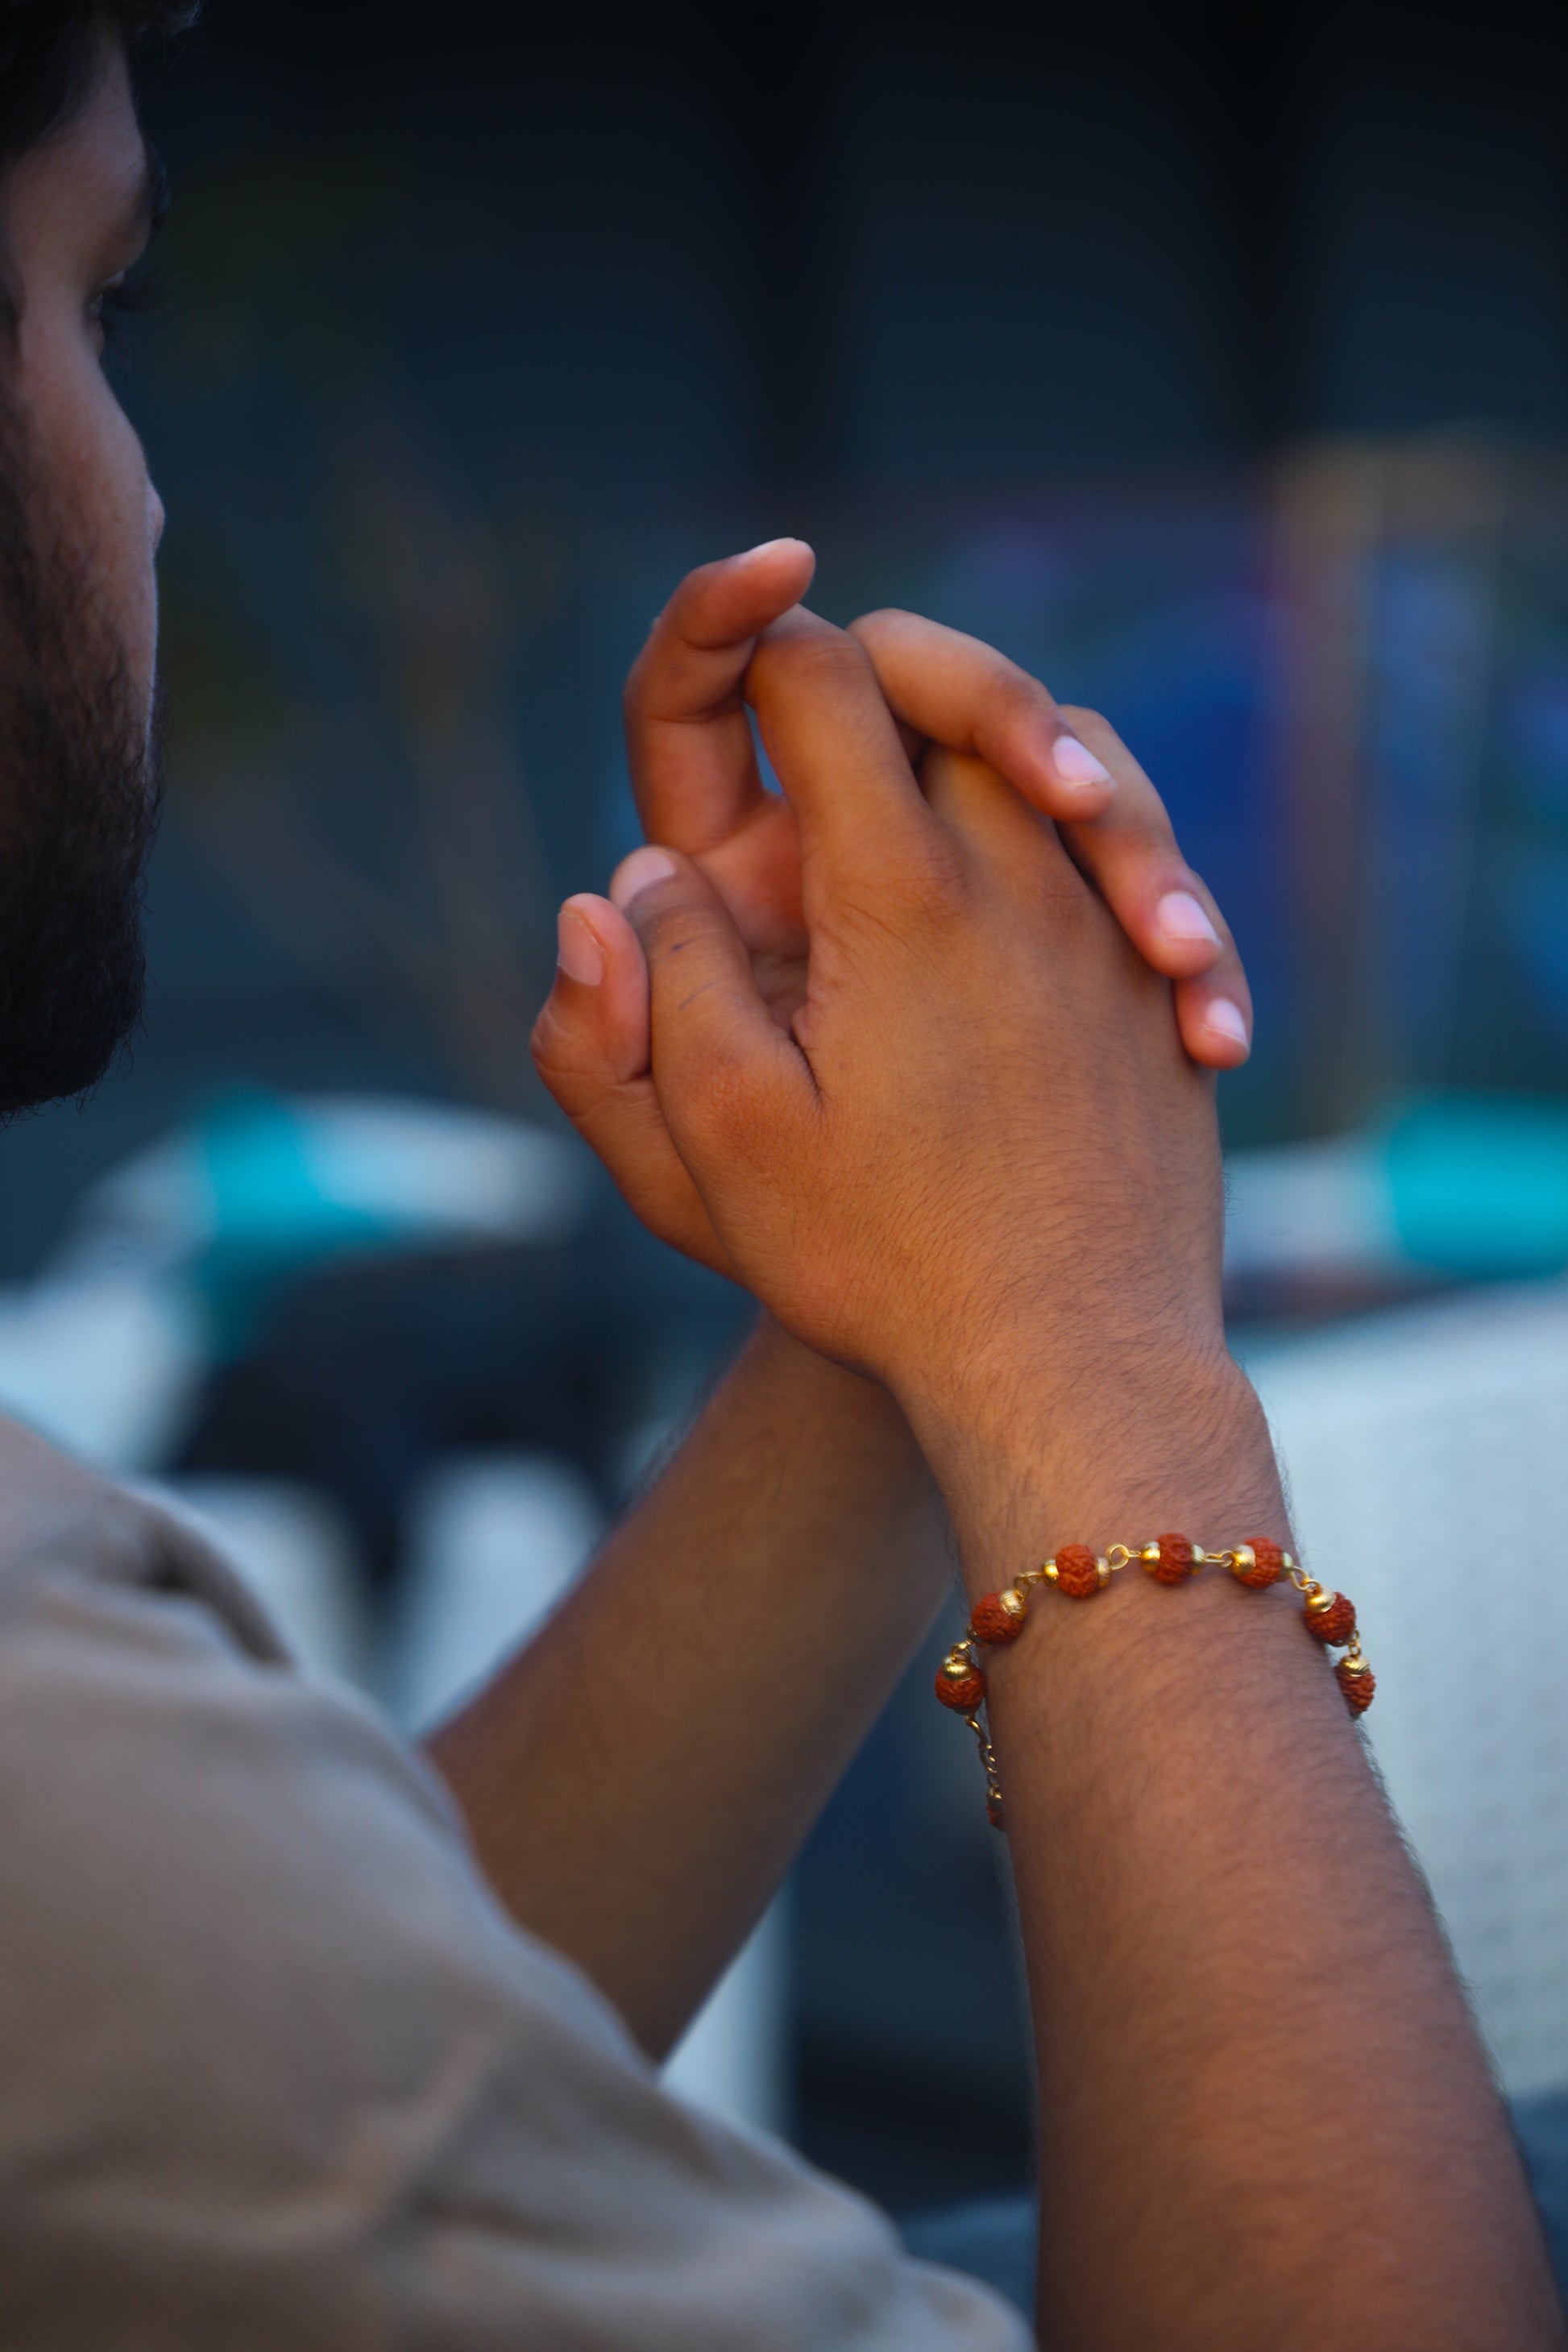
x: 673, y: 930
x: 1138, y: 828
x: 660, y: 681
x: 718, y: 1110
x: 634, y: 693
x: 832, y: 660
x: 1146, y: 831
x: 934, y: 866
x: 558, y: 1058
x: 888, y: 620
x: 1231, y: 972
x: 811, y: 660
x: 687, y: 605
x: 923, y: 877
x: 546, y: 1037
x: 1020, y: 694
x: 722, y: 1094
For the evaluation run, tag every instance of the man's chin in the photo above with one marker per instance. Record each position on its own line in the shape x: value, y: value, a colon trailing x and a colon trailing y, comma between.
x: 60, y: 1043
x: 75, y: 833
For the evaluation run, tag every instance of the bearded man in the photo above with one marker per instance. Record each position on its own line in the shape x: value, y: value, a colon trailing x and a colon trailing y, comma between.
x: 308, y: 2040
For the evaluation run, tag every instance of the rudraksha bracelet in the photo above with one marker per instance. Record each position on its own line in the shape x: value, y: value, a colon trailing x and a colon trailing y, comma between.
x: 1080, y: 1573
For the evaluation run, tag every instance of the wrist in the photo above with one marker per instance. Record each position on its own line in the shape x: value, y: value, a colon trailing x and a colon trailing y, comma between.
x: 1142, y: 1440
x: 1025, y: 1397
x: 840, y: 1414
x: 793, y: 1424
x: 774, y: 1352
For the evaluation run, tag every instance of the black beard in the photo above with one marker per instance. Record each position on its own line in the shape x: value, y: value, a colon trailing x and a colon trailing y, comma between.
x: 79, y: 789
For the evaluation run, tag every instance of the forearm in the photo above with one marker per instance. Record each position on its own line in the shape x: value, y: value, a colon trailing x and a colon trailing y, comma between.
x: 1251, y: 2042
x: 638, y: 1780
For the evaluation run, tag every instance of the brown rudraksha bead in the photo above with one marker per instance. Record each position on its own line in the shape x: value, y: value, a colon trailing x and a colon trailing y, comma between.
x: 1358, y: 1684
x: 1174, y: 1564
x: 1268, y: 1563
x: 1333, y: 1625
x: 999, y: 1617
x: 1078, y: 1571
x: 960, y: 1685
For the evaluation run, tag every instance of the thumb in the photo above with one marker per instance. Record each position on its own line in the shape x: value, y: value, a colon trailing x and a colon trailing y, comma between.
x: 591, y: 1049
x: 726, y: 1073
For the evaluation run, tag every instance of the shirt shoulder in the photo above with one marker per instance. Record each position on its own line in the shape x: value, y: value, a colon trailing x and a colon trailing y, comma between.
x: 60, y: 1517
x: 277, y: 2066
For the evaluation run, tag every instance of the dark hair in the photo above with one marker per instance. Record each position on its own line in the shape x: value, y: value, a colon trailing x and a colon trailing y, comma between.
x: 47, y: 58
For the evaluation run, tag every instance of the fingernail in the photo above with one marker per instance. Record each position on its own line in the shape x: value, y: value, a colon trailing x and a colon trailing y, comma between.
x: 1227, y: 1020
x: 1075, y: 763
x: 768, y: 547
x: 1182, y: 921
x: 577, y: 951
x: 639, y: 873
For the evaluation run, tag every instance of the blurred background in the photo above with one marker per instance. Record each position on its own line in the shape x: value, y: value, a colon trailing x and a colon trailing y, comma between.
x: 1210, y: 358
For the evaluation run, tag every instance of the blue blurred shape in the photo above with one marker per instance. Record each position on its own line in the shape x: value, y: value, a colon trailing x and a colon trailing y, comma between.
x: 263, y: 1188
x: 271, y: 1215
x: 1538, y: 883
x: 1479, y: 1184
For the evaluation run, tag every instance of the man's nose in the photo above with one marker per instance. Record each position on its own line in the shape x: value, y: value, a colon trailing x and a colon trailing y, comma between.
x: 156, y: 518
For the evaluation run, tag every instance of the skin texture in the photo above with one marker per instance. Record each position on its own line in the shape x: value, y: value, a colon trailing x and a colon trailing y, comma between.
x: 978, y: 1166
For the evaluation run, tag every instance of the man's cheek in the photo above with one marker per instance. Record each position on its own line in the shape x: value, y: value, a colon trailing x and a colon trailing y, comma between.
x: 123, y: 529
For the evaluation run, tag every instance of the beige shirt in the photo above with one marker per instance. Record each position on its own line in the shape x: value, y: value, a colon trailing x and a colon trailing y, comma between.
x: 276, y: 2070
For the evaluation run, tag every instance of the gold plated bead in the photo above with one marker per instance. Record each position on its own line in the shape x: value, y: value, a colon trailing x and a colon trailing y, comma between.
x: 1102, y: 1569
x: 1013, y: 1604
x: 1242, y: 1559
x: 1150, y: 1555
x: 1199, y: 1555
x: 1049, y: 1572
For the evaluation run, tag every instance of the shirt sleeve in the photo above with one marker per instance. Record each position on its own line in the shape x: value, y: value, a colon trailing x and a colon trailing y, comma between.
x: 278, y: 2071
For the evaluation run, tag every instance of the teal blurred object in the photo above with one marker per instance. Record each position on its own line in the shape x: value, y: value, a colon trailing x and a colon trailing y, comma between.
x: 263, y: 1188
x: 272, y: 1216
x: 1479, y: 1184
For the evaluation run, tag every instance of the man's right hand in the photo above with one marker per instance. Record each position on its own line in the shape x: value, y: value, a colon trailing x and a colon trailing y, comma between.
x: 977, y: 1162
